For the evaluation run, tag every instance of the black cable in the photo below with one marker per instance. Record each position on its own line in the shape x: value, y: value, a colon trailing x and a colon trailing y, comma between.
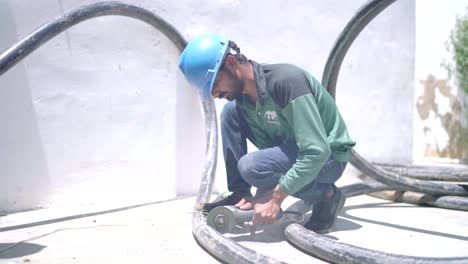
x: 205, y: 235
x: 458, y: 173
x: 329, y: 80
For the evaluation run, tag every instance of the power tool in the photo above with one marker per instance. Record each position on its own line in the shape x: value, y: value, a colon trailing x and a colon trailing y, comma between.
x: 224, y: 218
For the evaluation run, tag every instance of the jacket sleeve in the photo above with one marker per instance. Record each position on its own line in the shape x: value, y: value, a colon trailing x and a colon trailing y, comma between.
x: 303, y: 116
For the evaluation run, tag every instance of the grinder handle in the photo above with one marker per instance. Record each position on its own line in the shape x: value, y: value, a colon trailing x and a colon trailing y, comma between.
x: 243, y: 216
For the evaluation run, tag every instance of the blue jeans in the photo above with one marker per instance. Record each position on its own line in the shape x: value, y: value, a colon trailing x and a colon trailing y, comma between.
x: 264, y: 167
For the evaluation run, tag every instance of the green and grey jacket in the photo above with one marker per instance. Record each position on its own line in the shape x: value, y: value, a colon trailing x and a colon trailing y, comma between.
x: 292, y: 106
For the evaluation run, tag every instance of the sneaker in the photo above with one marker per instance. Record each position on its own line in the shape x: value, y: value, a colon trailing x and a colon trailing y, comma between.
x: 223, y: 200
x: 325, y: 212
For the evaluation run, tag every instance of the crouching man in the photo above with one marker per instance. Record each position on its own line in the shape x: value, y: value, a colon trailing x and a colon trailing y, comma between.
x: 283, y: 110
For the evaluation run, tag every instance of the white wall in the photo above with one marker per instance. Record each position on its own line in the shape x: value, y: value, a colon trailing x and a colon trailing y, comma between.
x: 24, y: 178
x: 104, y: 95
x: 375, y: 88
x: 117, y: 124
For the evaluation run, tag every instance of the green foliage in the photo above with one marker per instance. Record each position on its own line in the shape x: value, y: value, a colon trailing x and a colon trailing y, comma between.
x: 458, y: 47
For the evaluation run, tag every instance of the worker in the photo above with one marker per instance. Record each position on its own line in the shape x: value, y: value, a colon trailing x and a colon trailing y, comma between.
x: 302, y: 140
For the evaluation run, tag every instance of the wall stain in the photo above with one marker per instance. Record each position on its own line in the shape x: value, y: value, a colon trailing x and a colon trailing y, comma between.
x: 453, y: 122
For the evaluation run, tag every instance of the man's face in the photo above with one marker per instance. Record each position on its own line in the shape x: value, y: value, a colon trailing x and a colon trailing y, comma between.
x: 227, y: 85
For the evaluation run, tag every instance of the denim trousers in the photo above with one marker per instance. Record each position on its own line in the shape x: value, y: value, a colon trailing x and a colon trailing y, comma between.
x: 263, y: 168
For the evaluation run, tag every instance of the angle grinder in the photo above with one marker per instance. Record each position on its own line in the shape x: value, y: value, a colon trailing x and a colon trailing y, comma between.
x: 224, y: 218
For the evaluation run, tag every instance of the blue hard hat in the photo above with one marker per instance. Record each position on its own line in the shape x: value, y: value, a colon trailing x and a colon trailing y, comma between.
x: 201, y: 59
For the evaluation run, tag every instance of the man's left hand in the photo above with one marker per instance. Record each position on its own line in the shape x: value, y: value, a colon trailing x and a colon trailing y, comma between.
x: 267, y: 206
x: 265, y: 213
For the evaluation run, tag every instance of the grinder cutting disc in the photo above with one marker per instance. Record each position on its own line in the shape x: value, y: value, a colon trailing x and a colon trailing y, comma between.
x: 222, y: 219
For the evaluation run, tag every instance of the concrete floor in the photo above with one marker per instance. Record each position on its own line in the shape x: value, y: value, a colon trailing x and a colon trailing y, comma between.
x: 161, y: 232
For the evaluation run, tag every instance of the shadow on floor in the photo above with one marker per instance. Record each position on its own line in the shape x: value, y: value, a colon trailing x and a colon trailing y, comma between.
x: 266, y: 234
x: 73, y: 217
x: 275, y: 232
x: 345, y: 214
x: 343, y: 224
x: 15, y: 250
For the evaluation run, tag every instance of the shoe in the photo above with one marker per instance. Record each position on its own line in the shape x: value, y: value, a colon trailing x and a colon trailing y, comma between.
x: 223, y: 200
x: 325, y: 212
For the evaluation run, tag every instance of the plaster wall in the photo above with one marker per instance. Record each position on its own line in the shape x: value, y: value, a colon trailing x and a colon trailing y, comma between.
x: 440, y: 104
x: 113, y: 121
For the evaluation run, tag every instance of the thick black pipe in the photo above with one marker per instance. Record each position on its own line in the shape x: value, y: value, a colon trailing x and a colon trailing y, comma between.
x: 41, y: 35
x: 224, y: 248
x: 347, y: 36
x: 406, y: 183
x: 332, y: 251
x: 336, y: 252
x: 330, y: 76
x: 212, y: 241
x: 428, y: 173
x: 383, y: 191
x: 447, y: 202
x: 218, y: 245
x: 361, y: 188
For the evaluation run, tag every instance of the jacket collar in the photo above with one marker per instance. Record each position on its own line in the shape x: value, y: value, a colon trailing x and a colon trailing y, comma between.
x: 260, y: 81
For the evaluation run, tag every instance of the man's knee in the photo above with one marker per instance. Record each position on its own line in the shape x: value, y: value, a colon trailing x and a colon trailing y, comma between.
x: 247, y: 168
x: 256, y: 172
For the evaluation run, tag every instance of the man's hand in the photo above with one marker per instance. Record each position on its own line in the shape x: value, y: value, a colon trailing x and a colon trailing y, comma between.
x: 245, y: 203
x: 265, y: 213
x: 267, y: 206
